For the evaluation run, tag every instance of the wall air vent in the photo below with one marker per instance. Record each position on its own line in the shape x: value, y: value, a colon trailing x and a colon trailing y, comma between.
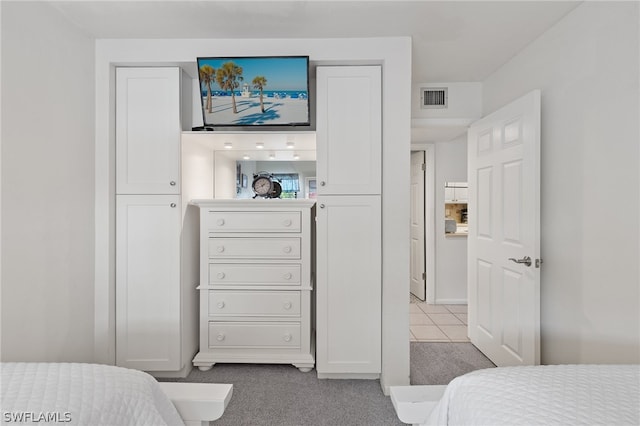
x: 434, y: 97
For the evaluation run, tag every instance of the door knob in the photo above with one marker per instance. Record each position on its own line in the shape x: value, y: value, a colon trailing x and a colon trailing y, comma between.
x: 172, y: 183
x: 322, y: 183
x: 525, y: 260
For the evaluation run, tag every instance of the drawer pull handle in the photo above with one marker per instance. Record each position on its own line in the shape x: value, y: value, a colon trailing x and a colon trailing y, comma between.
x: 287, y: 276
x: 287, y: 337
x: 220, y: 222
x: 287, y: 222
x: 288, y: 305
x: 221, y: 275
x: 220, y: 249
x: 220, y: 337
x: 287, y: 249
x: 220, y: 305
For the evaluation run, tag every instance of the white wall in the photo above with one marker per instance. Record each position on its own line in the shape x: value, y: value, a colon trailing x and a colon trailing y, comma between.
x: 224, y: 172
x: 47, y: 186
x: 587, y: 68
x: 451, y: 252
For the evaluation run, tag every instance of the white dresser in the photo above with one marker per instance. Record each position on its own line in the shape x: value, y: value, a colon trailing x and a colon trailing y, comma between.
x: 256, y: 282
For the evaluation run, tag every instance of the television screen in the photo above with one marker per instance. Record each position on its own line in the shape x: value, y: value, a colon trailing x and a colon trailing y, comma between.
x: 255, y: 91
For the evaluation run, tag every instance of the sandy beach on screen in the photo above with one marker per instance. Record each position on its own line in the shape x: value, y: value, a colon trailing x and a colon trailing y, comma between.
x: 276, y: 111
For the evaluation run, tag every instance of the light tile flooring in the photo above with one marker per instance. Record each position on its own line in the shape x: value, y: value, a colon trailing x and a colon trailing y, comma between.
x: 438, y: 323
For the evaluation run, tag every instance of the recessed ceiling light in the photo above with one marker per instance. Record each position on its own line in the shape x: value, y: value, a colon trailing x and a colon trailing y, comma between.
x: 228, y: 145
x: 290, y: 145
x: 272, y: 156
x: 296, y: 156
x: 259, y: 145
x: 245, y: 157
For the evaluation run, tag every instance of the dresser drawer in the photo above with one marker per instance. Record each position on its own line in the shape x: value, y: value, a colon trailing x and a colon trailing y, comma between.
x: 254, y: 303
x: 253, y: 274
x: 254, y: 334
x: 254, y: 248
x: 253, y: 221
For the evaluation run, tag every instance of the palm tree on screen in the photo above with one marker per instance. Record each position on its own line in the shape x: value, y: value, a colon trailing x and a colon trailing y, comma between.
x: 229, y: 77
x: 259, y: 82
x: 207, y: 76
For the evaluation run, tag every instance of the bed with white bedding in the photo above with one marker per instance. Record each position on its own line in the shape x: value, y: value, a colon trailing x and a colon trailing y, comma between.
x: 82, y: 394
x: 542, y: 395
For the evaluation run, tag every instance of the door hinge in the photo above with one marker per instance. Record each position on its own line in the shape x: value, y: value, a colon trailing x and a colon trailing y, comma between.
x: 424, y: 167
x: 424, y: 276
x: 538, y: 262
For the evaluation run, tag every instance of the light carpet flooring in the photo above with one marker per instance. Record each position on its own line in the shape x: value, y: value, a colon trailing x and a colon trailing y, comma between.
x: 280, y: 395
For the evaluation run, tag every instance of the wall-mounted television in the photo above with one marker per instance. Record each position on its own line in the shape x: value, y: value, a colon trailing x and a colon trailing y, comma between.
x: 254, y: 91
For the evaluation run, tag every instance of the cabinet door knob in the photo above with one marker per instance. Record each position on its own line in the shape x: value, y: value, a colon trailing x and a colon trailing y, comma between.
x: 286, y: 222
x: 172, y: 205
x: 287, y: 276
x: 220, y: 337
x: 220, y: 249
x: 287, y: 305
x: 322, y: 206
x: 172, y: 183
x: 220, y: 305
x: 220, y: 222
x: 287, y: 337
x: 322, y: 183
x: 221, y: 275
x: 287, y: 249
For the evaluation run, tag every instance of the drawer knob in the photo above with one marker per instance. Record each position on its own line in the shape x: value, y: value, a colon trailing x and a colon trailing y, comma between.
x: 220, y: 337
x: 287, y: 249
x: 220, y: 249
x: 220, y: 222
x: 322, y: 183
x: 287, y: 276
x: 221, y: 275
x: 288, y: 305
x: 220, y: 305
x: 287, y: 222
x: 287, y: 337
x: 172, y: 183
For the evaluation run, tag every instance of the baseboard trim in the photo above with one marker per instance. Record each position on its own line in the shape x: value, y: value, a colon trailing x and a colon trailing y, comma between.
x: 180, y: 374
x: 363, y: 376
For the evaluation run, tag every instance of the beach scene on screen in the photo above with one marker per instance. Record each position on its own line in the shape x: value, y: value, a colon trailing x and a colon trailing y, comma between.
x: 254, y: 91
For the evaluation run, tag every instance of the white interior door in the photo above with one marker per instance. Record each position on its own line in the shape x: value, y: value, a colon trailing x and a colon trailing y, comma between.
x: 504, y: 233
x: 418, y: 275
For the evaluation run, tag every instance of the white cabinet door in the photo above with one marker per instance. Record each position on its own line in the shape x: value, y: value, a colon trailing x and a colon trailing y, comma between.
x: 348, y: 323
x: 148, y: 282
x: 148, y: 128
x: 349, y: 130
x: 461, y: 194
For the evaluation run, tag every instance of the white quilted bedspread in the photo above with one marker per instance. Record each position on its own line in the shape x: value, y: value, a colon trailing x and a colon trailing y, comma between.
x: 82, y: 394
x: 543, y: 395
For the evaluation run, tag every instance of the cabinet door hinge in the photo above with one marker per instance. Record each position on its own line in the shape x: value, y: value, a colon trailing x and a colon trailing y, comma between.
x: 424, y: 276
x: 424, y: 167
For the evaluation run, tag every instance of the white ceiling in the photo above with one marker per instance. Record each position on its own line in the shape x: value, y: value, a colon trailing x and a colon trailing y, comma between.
x: 452, y: 40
